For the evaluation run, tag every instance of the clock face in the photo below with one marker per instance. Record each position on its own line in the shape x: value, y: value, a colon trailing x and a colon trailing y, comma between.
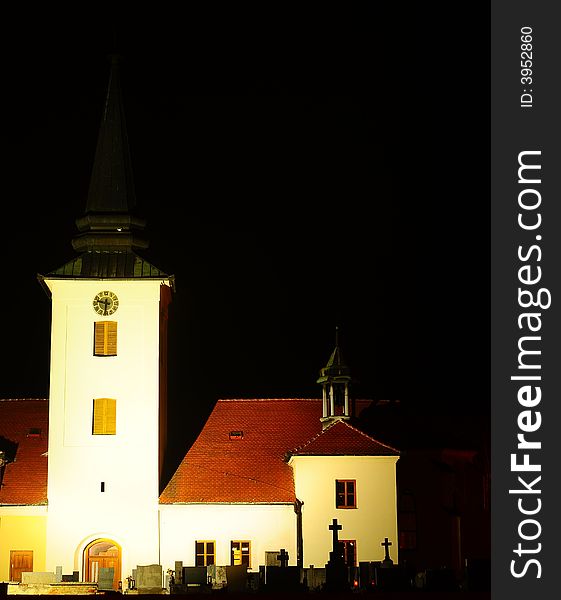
x: 105, y: 303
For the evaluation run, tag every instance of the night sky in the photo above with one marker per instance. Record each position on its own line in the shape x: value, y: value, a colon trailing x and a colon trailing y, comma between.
x: 299, y: 170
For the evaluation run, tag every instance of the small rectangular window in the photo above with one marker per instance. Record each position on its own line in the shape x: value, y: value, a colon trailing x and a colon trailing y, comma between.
x: 105, y: 338
x: 104, y: 416
x: 345, y: 493
x: 240, y: 553
x: 204, y: 553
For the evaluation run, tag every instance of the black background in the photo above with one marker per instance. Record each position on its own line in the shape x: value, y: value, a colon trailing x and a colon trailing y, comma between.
x: 299, y: 168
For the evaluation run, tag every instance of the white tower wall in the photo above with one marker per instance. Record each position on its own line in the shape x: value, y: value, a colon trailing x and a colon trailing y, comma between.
x: 127, y: 462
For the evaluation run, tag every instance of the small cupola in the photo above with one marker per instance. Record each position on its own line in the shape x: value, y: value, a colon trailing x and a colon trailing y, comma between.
x: 335, y: 380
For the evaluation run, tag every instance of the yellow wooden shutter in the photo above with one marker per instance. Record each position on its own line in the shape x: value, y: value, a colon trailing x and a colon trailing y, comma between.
x: 104, y: 416
x: 105, y: 338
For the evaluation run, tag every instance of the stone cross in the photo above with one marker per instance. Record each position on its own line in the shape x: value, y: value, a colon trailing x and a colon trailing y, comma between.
x: 335, y: 528
x: 386, y: 545
x: 283, y: 557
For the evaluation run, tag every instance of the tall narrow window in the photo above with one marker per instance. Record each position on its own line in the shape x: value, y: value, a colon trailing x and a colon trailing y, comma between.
x: 349, y: 552
x: 104, y: 416
x: 204, y: 553
x: 105, y: 338
x: 345, y: 493
x: 240, y: 553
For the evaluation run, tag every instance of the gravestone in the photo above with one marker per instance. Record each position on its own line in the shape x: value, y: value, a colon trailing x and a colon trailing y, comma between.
x: 253, y: 581
x: 34, y: 577
x: 236, y: 577
x: 195, y: 576
x: 335, y: 528
x: 217, y: 576
x: 148, y: 579
x: 178, y: 571
x: 387, y: 562
x: 315, y: 578
x: 367, y: 575
x: 58, y: 574
x: 393, y: 578
x: 105, y: 578
x: 283, y: 558
x: 283, y: 579
x: 336, y: 572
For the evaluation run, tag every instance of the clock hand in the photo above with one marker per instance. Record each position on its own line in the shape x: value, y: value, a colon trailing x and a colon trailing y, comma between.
x: 105, y: 303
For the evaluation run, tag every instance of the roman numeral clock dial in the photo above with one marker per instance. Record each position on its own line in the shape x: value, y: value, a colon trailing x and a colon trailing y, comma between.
x: 105, y: 303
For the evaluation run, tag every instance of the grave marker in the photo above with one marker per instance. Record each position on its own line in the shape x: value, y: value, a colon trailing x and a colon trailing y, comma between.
x: 387, y: 560
x: 105, y: 578
x: 283, y: 558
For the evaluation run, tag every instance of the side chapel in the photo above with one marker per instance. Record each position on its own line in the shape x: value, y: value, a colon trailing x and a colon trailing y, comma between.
x: 250, y: 484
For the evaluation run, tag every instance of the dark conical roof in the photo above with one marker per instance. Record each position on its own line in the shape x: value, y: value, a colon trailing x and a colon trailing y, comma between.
x: 109, y: 222
x: 111, y: 185
x: 109, y: 230
x: 336, y: 367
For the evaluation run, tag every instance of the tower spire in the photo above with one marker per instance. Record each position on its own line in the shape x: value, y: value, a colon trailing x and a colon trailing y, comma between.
x: 108, y: 222
x: 335, y: 379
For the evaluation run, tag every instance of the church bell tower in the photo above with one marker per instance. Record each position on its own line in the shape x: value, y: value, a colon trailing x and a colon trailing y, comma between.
x: 107, y: 397
x: 335, y: 380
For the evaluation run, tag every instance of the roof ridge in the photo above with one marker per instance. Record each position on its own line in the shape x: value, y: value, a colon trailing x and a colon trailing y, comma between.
x: 318, y: 399
x: 268, y: 399
x: 333, y: 424
x: 369, y: 436
x: 312, y: 439
x: 22, y: 399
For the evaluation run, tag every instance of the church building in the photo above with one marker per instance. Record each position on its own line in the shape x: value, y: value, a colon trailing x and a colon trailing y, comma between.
x: 82, y: 471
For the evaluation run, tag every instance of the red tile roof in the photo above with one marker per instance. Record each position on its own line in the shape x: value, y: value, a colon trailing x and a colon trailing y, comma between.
x: 24, y: 479
x: 342, y: 439
x: 253, y: 469
x: 247, y: 467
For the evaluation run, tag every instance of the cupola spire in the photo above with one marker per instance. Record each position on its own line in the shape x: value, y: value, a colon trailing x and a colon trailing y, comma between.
x: 335, y: 379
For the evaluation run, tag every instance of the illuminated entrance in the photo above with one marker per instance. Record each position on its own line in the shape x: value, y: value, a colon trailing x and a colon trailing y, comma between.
x: 99, y: 554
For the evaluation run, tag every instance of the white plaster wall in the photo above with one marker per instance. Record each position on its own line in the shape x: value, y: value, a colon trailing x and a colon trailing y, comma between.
x: 22, y: 511
x: 127, y: 462
x: 374, y: 518
x: 269, y: 527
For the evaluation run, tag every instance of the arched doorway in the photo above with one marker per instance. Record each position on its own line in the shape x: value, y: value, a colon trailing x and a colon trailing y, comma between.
x: 102, y: 553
